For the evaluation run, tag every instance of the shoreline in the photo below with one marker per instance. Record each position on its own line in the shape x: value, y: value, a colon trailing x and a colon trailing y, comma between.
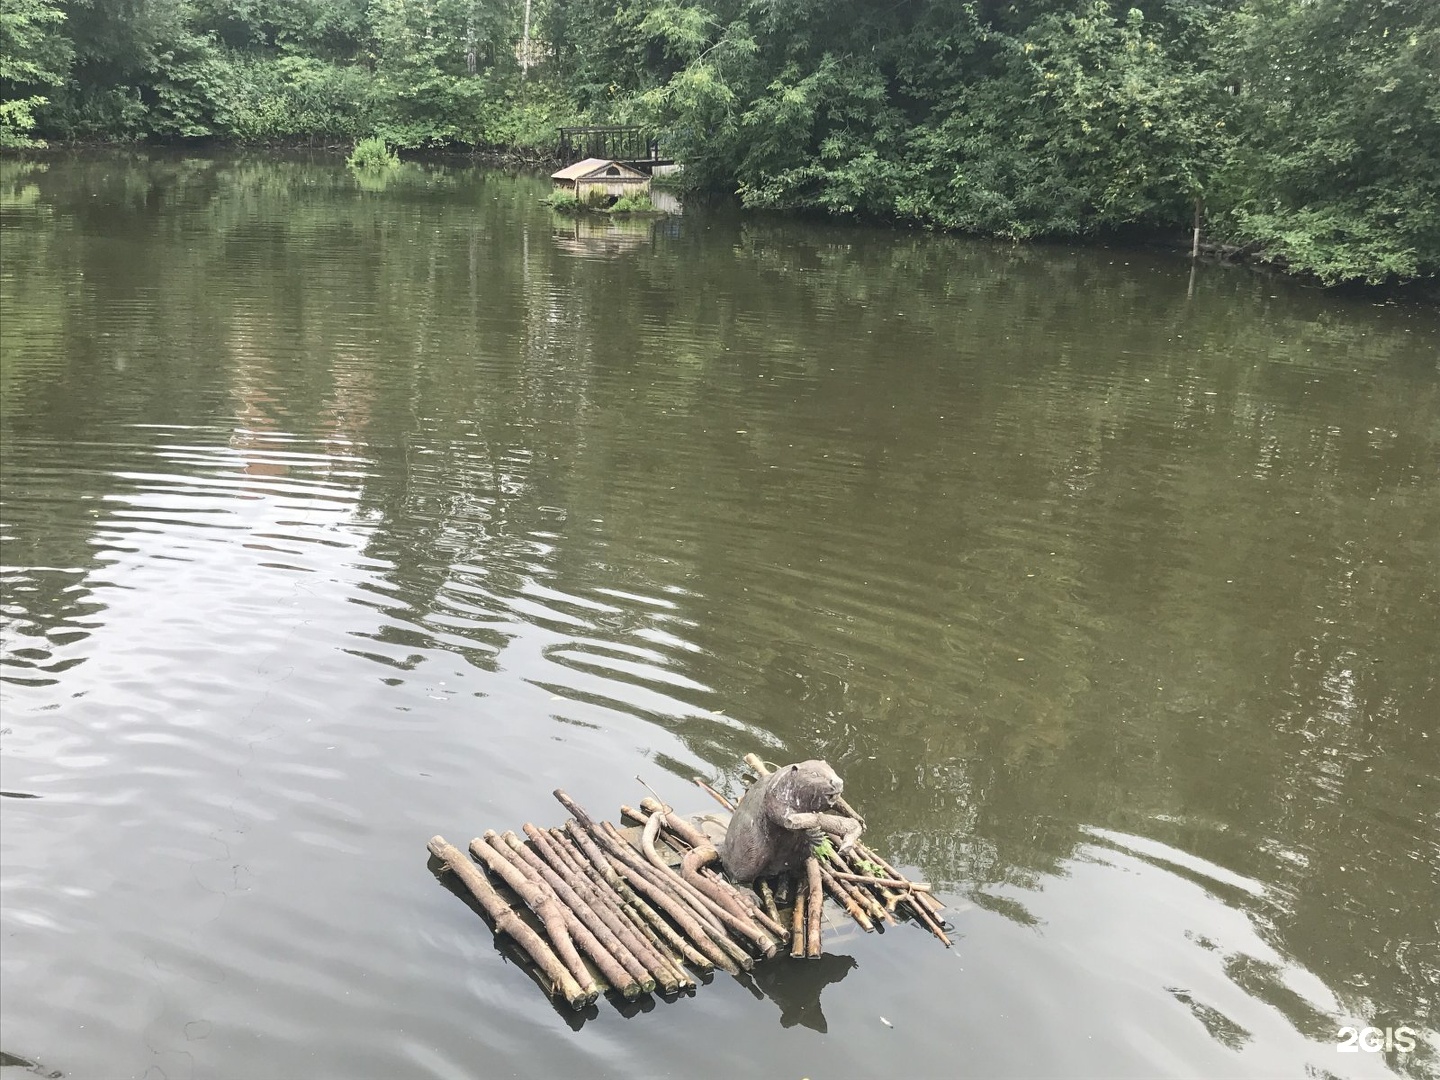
x: 1213, y: 252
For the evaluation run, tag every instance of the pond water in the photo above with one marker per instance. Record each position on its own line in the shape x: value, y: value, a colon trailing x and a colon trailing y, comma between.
x: 341, y: 513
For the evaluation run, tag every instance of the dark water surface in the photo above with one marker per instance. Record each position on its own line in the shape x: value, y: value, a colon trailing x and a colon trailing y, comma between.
x: 339, y: 514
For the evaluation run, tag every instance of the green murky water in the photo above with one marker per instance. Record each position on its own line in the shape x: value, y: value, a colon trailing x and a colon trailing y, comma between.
x: 336, y: 515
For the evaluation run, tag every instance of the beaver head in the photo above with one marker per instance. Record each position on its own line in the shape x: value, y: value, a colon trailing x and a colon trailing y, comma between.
x: 809, y: 786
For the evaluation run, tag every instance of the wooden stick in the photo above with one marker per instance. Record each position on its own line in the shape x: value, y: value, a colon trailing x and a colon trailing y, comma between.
x: 797, y: 924
x: 692, y: 836
x: 890, y: 897
x: 866, y: 897
x: 633, y: 814
x: 542, y: 904
x: 927, y: 899
x: 842, y: 893
x: 608, y: 906
x: 758, y: 766
x: 848, y: 810
x: 748, y: 901
x: 638, y: 873
x: 705, y: 910
x: 727, y: 907
x: 741, y: 901
x: 671, y: 949
x: 571, y: 857
x: 767, y: 895
x: 507, y: 922
x: 889, y: 883
x: 604, y: 875
x: 584, y: 938
x: 932, y: 924
x: 676, y: 972
x: 603, y: 867
x: 607, y: 932
x: 721, y: 799
x: 921, y: 903
x: 815, y: 903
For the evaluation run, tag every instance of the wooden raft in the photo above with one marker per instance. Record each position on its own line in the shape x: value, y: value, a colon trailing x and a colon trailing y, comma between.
x: 606, y: 908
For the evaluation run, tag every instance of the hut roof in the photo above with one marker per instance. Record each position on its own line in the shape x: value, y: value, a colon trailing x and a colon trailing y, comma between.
x: 596, y: 167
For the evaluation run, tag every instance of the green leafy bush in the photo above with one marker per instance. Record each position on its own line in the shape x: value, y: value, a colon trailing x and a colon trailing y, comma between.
x: 638, y: 203
x: 372, y: 153
x: 34, y: 56
x: 564, y: 202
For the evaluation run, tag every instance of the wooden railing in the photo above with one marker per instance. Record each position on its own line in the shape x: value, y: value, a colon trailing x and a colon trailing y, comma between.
x: 615, y: 142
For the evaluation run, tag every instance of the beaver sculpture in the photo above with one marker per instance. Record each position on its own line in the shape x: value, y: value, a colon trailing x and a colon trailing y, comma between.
x: 780, y: 819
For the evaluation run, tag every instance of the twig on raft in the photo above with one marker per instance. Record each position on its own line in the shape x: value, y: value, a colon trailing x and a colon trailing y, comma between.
x: 709, y: 939
x: 889, y: 883
x: 923, y: 904
x: 580, y: 924
x: 727, y: 906
x: 610, y: 907
x: 767, y: 896
x: 653, y: 793
x: 815, y: 904
x: 638, y: 873
x: 797, y: 921
x: 702, y: 853
x: 704, y: 909
x: 758, y: 766
x: 865, y: 896
x: 543, y: 904
x: 847, y: 898
x: 926, y: 900
x: 721, y: 799
x: 578, y: 845
x: 634, y: 977
x: 562, y: 982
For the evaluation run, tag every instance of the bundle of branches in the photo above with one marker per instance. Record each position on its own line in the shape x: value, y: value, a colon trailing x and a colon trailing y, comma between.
x: 609, y: 910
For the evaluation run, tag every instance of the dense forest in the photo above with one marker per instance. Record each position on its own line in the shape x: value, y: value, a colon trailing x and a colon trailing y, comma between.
x: 1307, y: 130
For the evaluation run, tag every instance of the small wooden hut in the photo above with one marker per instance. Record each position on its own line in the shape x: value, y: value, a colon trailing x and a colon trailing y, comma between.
x: 599, y: 180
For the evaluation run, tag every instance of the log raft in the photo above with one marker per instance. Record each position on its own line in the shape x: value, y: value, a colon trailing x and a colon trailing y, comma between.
x: 635, y: 911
